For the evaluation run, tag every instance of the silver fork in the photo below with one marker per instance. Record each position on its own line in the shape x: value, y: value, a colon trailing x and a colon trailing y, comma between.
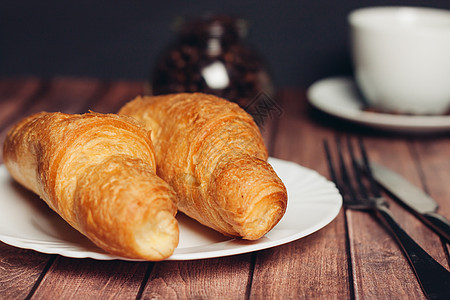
x: 432, y: 277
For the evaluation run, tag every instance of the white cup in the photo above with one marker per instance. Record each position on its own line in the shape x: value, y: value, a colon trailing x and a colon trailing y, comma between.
x: 401, y: 58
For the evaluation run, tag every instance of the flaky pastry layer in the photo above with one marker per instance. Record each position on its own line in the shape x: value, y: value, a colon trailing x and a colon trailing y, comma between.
x: 213, y: 155
x: 98, y: 172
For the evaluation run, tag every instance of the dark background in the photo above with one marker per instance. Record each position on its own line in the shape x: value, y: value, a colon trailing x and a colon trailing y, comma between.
x: 302, y: 41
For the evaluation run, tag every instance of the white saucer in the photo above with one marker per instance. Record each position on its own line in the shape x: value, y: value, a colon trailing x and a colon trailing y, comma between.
x: 338, y: 96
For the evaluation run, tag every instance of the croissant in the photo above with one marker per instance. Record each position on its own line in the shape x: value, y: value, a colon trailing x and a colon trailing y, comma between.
x: 213, y: 155
x: 98, y: 173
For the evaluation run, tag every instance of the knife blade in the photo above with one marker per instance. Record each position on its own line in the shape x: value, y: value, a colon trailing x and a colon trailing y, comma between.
x: 413, y: 197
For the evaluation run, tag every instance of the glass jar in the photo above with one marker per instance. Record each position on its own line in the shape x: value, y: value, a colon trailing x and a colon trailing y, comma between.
x: 210, y: 56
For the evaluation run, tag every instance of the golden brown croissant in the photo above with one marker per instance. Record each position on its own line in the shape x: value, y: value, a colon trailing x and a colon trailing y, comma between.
x: 98, y: 173
x: 212, y: 153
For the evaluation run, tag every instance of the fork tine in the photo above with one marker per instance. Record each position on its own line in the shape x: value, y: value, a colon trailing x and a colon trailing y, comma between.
x: 331, y: 168
x: 366, y: 165
x: 346, y: 181
x: 356, y: 171
x: 426, y: 269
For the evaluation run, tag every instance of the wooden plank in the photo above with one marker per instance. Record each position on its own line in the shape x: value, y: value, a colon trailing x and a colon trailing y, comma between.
x: 81, y: 279
x: 19, y: 269
x: 219, y: 278
x: 376, y: 258
x: 434, y: 157
x: 311, y: 268
x: 401, y: 157
x: 378, y: 266
x: 9, y: 86
x: 314, y: 266
x: 14, y: 101
x: 434, y: 161
x: 28, y: 98
x: 90, y: 279
x: 67, y: 95
x: 116, y: 95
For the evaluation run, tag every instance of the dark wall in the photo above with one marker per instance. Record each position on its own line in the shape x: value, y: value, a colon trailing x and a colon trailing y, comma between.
x: 302, y: 40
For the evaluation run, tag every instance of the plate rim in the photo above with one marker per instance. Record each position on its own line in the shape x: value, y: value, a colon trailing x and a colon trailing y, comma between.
x: 249, y: 246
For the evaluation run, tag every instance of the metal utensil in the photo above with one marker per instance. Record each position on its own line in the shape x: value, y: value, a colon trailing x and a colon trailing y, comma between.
x: 432, y: 277
x: 420, y: 203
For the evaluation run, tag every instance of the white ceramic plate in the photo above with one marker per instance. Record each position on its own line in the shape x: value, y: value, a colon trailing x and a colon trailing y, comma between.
x: 338, y: 96
x: 27, y: 222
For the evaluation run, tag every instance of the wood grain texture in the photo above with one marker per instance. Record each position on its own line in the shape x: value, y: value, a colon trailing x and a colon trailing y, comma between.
x: 401, y: 156
x: 9, y: 86
x: 374, y: 254
x: 68, y: 95
x: 219, y: 278
x: 116, y: 94
x: 324, y: 265
x: 20, y: 269
x: 434, y: 160
x: 376, y: 258
x: 314, y: 266
x: 90, y: 279
x: 16, y: 97
x: 311, y: 268
x: 62, y: 94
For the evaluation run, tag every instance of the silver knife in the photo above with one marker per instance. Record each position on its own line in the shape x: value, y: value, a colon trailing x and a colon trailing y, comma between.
x: 420, y: 203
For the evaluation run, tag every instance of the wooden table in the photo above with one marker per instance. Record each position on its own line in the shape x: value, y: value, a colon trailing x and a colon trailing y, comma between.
x: 353, y: 257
